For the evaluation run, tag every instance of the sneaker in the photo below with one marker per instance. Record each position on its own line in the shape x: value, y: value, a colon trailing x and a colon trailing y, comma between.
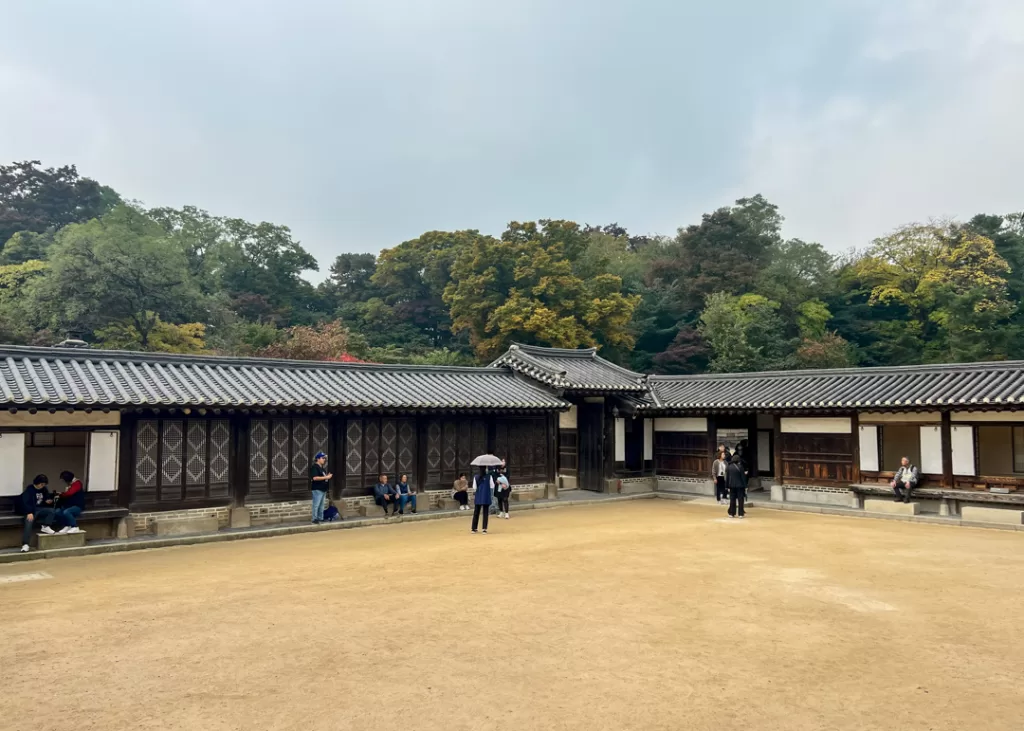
x: 74, y: 530
x: 64, y: 531
x: 506, y: 516
x: 472, y: 531
x: 485, y: 532
x: 24, y: 548
x: 47, y: 530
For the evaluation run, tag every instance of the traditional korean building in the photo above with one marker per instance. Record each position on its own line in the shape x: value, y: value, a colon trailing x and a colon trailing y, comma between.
x: 159, y: 434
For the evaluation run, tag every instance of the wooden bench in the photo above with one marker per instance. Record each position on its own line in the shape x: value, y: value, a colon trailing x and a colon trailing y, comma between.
x: 950, y: 499
x: 116, y: 516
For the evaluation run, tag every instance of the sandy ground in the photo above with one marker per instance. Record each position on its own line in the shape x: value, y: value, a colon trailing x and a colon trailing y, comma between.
x: 630, y: 616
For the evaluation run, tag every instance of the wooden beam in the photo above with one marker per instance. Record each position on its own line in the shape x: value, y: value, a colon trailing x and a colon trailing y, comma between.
x: 126, y: 461
x: 946, y: 437
x: 778, y: 450
x: 855, y: 429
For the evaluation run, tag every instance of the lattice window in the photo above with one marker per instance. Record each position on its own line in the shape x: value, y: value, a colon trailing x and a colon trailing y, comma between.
x: 479, y: 440
x: 171, y: 449
x: 354, y: 447
x: 371, y: 451
x: 220, y: 442
x: 259, y: 452
x: 195, y: 467
x: 407, y: 447
x: 389, y: 447
x: 449, y: 455
x: 465, y: 445
x: 301, y: 456
x: 321, y: 436
x: 146, y: 439
x: 279, y: 451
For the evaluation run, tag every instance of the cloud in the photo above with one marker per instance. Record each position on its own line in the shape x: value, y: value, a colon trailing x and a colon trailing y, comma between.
x: 866, y: 158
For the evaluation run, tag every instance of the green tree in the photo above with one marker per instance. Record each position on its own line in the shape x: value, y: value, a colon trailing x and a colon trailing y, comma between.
x: 16, y: 284
x: 743, y: 333
x: 163, y: 337
x: 523, y: 287
x: 119, y: 268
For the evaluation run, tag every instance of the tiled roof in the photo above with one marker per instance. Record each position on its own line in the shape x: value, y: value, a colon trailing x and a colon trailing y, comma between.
x: 62, y: 378
x: 908, y: 387
x: 572, y: 370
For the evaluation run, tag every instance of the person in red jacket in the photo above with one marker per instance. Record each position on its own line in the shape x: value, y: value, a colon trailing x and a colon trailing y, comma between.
x: 71, y: 502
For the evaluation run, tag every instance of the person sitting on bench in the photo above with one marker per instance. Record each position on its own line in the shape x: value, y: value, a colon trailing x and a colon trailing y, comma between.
x: 384, y: 494
x: 405, y: 494
x: 71, y: 502
x: 36, y: 507
x: 905, y: 480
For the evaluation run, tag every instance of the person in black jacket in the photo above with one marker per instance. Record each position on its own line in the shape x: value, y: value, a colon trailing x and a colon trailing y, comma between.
x: 384, y: 494
x: 736, y: 481
x: 36, y: 507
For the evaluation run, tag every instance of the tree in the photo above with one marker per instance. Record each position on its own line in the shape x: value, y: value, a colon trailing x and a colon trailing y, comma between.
x: 523, y: 287
x: 743, y: 333
x: 412, y: 278
x: 264, y: 260
x: 16, y: 282
x: 36, y: 199
x: 828, y: 351
x: 330, y: 341
x: 164, y: 337
x: 120, y: 268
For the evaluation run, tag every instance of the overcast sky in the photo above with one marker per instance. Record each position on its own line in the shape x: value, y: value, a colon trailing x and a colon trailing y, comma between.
x: 363, y: 123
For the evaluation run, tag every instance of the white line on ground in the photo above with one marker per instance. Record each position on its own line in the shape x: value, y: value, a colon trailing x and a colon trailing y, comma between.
x: 16, y: 578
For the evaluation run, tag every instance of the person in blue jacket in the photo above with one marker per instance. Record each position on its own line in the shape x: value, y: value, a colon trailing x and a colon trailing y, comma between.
x: 36, y: 508
x: 405, y: 495
x: 484, y: 484
x: 385, y: 494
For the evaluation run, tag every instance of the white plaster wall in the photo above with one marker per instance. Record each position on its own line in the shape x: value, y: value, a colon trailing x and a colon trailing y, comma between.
x: 928, y: 417
x: 567, y: 419
x: 681, y: 424
x: 819, y: 425
x: 869, y: 448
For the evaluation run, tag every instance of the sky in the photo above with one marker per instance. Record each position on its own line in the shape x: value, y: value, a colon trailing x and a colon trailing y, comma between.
x: 364, y: 123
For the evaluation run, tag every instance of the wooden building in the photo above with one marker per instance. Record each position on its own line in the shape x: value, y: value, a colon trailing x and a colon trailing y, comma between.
x: 157, y: 434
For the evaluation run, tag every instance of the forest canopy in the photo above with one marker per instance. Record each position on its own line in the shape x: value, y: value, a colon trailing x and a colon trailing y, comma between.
x: 726, y: 294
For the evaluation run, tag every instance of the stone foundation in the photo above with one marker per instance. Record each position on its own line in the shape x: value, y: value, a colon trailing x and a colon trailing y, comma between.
x: 889, y: 507
x: 992, y: 515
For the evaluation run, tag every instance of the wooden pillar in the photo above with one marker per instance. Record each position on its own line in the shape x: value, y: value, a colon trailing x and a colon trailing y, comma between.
x: 855, y: 429
x: 126, y: 460
x: 778, y: 451
x: 238, y: 471
x: 712, y: 437
x: 552, y: 446
x: 422, y: 438
x: 946, y: 436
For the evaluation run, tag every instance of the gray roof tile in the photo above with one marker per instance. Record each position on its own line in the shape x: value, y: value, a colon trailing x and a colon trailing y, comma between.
x: 962, y: 385
x: 572, y: 370
x: 61, y: 378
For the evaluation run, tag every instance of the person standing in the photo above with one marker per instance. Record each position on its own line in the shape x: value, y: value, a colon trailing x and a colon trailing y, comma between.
x: 460, y: 491
x: 71, y: 502
x: 905, y: 480
x: 504, y: 491
x: 718, y: 468
x: 736, y: 481
x: 484, y: 485
x: 319, y: 484
x: 384, y: 494
x: 36, y: 507
x: 405, y: 495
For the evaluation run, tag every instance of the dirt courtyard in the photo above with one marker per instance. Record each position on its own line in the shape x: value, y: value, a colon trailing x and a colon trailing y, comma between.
x: 640, y: 615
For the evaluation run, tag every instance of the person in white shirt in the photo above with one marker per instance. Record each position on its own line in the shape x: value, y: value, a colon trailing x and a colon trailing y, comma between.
x: 718, y: 468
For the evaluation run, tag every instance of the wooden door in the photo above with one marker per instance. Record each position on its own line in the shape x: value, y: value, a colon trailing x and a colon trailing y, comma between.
x: 591, y: 446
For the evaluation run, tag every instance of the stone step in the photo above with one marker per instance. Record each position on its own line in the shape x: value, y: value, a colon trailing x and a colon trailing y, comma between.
x: 185, y: 526
x: 992, y: 515
x: 46, y: 542
x: 889, y: 507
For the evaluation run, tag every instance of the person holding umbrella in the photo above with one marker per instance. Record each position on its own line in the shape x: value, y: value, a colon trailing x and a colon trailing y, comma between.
x: 484, y: 485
